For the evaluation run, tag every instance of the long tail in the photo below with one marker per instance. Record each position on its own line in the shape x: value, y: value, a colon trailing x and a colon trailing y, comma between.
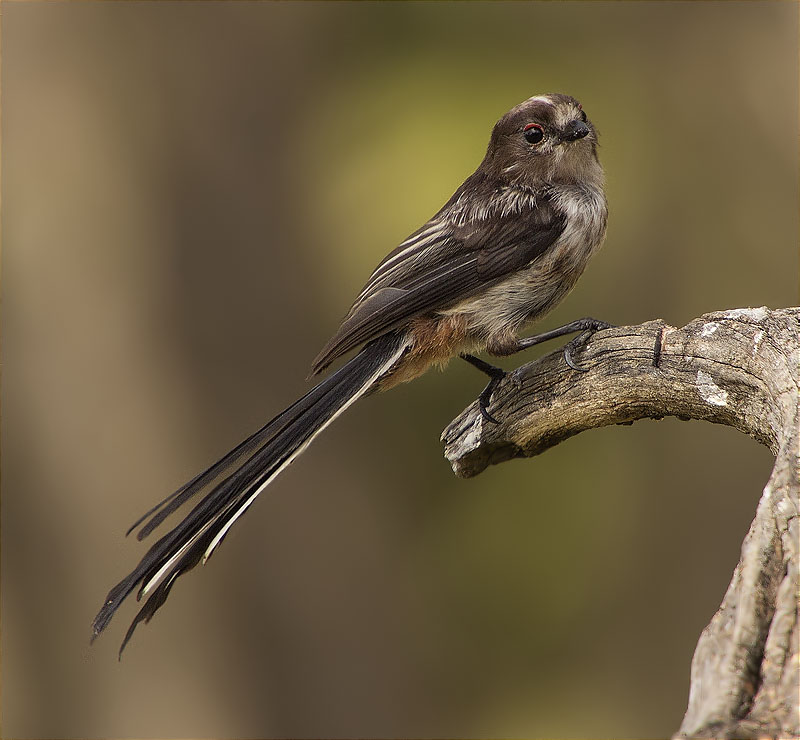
x: 238, y: 478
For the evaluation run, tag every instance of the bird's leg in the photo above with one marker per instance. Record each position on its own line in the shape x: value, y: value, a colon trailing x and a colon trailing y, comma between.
x: 496, y: 374
x: 587, y: 326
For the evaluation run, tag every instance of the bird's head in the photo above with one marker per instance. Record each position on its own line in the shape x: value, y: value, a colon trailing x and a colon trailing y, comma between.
x: 545, y: 139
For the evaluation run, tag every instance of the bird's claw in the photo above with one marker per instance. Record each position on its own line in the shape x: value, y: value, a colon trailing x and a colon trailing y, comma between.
x: 574, y: 344
x: 496, y: 374
x: 486, y: 396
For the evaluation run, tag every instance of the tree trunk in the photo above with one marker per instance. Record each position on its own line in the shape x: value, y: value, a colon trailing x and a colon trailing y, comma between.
x: 741, y: 368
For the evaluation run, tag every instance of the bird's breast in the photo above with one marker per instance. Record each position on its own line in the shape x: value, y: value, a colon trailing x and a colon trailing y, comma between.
x: 531, y: 292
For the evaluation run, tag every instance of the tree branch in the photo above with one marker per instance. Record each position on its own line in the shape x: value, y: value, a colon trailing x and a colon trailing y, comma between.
x: 740, y: 368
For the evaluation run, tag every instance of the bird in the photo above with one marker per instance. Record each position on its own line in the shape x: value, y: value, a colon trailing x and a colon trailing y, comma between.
x: 502, y: 252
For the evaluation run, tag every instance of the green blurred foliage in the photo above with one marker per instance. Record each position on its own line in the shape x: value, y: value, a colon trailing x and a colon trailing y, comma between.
x: 193, y: 194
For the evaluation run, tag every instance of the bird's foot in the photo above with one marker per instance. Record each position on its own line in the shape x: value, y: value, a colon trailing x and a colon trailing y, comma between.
x: 591, y: 326
x: 496, y: 374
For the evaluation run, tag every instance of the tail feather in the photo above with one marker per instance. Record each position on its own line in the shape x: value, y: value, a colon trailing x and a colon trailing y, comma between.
x: 239, y: 477
x: 176, y: 499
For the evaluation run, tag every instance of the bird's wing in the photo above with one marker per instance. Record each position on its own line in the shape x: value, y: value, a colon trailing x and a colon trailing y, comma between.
x: 441, y: 264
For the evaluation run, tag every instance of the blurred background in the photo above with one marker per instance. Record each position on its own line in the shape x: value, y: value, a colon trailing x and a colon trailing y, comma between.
x: 193, y: 194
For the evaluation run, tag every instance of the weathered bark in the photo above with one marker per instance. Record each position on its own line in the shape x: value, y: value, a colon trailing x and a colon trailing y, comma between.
x: 740, y: 368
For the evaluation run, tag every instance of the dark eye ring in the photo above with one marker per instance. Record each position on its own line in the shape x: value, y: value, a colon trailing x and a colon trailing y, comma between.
x: 533, y: 133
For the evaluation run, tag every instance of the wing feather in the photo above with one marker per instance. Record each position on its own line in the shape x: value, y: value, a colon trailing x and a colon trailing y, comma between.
x: 443, y: 263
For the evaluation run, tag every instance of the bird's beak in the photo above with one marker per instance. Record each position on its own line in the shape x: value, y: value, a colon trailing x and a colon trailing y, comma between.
x: 575, y: 130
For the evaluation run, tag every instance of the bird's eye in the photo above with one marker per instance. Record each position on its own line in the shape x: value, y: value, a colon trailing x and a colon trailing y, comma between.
x: 533, y: 133
x: 583, y: 115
